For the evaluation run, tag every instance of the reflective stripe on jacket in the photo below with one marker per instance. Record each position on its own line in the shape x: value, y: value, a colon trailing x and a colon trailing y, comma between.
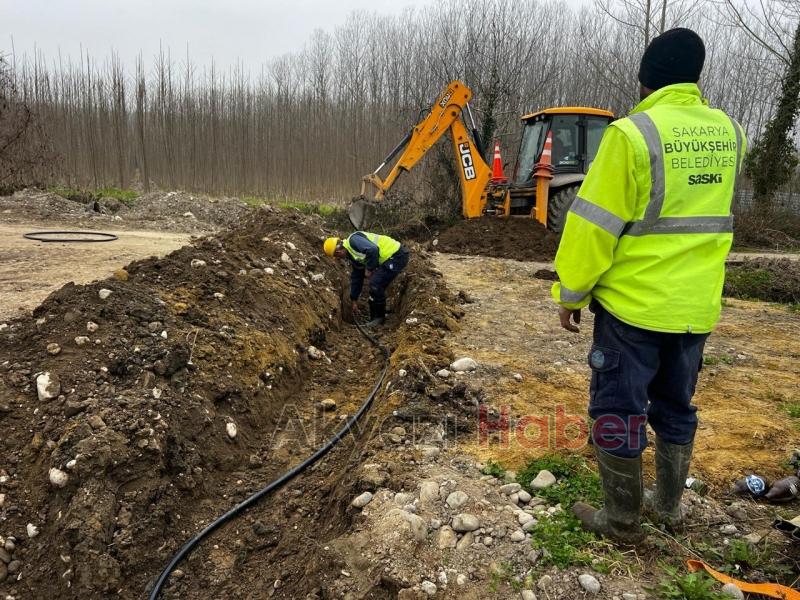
x: 651, y: 227
x: 386, y: 248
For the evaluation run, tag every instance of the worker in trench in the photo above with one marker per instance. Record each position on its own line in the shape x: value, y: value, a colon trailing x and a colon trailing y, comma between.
x: 644, y: 247
x: 376, y: 258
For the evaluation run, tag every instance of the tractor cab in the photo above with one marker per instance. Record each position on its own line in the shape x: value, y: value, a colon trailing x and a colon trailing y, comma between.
x: 575, y: 134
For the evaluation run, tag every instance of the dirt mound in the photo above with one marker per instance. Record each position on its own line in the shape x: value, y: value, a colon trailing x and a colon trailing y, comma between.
x: 186, y: 211
x: 169, y: 211
x: 135, y: 410
x: 516, y: 238
x: 769, y: 279
x: 34, y: 204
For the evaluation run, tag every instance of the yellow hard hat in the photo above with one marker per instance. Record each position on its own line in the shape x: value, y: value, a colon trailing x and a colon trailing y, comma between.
x: 330, y: 245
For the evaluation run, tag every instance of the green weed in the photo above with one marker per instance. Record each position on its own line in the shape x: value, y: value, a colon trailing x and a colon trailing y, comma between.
x: 503, y: 573
x: 494, y: 469
x: 710, y: 361
x: 792, y: 409
x: 748, y: 284
x: 64, y: 191
x: 691, y: 586
x: 562, y: 541
x: 254, y: 201
x: 124, y: 196
x: 741, y: 557
x: 727, y: 359
x: 560, y: 537
x: 310, y: 208
x: 576, y: 481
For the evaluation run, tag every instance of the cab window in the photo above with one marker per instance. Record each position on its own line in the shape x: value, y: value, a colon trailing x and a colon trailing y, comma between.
x: 566, y: 142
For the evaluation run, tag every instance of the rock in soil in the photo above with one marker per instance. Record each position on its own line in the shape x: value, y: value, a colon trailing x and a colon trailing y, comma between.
x: 362, y: 500
x: 729, y: 589
x: 466, y: 522
x: 543, y: 480
x: 464, y: 364
x: 48, y: 386
x: 58, y: 478
x: 589, y: 583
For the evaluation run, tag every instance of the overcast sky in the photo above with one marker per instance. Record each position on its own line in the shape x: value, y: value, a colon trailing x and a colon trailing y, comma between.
x: 250, y: 30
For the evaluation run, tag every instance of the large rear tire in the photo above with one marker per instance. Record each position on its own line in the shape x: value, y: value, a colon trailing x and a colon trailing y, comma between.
x: 558, y: 207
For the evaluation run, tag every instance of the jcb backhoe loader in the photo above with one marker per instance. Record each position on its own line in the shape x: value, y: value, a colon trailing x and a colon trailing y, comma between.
x: 557, y: 147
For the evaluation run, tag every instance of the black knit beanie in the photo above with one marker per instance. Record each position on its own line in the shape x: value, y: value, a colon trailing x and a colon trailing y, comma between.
x: 675, y: 56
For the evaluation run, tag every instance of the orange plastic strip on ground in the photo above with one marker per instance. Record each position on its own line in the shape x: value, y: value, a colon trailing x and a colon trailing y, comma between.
x: 773, y: 590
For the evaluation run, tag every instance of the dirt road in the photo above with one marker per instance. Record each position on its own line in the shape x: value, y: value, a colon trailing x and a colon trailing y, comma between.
x: 29, y: 270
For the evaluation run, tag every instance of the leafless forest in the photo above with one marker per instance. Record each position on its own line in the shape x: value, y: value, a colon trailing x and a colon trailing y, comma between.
x: 310, y: 123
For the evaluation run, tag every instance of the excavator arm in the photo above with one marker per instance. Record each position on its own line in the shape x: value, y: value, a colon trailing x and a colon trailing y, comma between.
x: 445, y: 115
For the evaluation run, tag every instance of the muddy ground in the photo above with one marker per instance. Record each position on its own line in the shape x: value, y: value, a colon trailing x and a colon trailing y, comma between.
x: 154, y: 377
x: 518, y: 238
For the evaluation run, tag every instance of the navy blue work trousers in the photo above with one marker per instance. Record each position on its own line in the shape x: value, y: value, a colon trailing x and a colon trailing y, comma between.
x: 639, y: 377
x: 385, y: 274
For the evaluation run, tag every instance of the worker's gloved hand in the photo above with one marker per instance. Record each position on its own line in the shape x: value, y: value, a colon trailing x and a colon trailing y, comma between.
x: 354, y: 307
x: 564, y: 315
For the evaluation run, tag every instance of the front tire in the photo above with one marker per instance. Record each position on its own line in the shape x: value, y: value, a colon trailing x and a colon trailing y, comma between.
x: 558, y: 207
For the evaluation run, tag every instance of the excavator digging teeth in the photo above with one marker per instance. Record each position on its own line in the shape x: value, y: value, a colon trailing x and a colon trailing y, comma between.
x: 361, y: 213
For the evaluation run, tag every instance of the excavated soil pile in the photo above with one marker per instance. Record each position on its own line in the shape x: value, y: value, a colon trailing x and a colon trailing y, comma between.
x: 515, y: 238
x: 768, y: 279
x: 135, y: 410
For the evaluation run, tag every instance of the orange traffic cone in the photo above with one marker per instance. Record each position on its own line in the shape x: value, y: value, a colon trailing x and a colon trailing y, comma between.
x: 543, y: 173
x: 497, y: 167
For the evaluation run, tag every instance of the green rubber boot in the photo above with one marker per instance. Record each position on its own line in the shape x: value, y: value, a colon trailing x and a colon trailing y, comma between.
x: 663, y: 506
x: 618, y: 520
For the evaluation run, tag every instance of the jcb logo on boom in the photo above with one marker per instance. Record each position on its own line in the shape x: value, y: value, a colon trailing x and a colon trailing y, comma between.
x: 466, y: 161
x: 705, y: 178
x: 446, y: 98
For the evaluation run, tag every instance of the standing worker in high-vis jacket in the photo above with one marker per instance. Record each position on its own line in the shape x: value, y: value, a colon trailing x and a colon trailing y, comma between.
x: 644, y: 246
x: 378, y: 258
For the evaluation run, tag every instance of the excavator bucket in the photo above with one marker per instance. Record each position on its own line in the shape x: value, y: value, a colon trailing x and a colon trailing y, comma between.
x: 361, y: 213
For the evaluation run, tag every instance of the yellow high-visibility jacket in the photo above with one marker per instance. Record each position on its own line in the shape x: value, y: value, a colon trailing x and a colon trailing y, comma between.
x: 370, y: 249
x: 649, y: 232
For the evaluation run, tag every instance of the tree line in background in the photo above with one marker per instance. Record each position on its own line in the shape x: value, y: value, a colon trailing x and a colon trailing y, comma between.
x: 309, y: 124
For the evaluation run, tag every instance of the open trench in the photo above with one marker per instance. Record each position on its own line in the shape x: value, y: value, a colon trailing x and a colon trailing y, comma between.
x: 150, y: 373
x: 277, y: 547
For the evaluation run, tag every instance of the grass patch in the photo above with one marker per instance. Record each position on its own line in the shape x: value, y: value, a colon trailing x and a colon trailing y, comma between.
x: 503, y: 574
x: 560, y: 537
x: 64, y: 191
x: 747, y: 284
x: 792, y: 409
x: 740, y: 558
x: 767, y: 279
x: 254, y: 201
x: 562, y: 541
x: 125, y: 196
x: 494, y: 469
x: 691, y: 586
x: 309, y: 208
x: 576, y: 481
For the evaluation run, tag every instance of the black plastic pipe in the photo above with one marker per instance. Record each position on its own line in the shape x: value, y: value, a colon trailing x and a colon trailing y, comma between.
x: 280, y: 481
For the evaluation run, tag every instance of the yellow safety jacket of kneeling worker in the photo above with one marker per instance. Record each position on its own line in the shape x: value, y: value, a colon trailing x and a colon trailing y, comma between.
x: 649, y: 232
x: 387, y: 247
